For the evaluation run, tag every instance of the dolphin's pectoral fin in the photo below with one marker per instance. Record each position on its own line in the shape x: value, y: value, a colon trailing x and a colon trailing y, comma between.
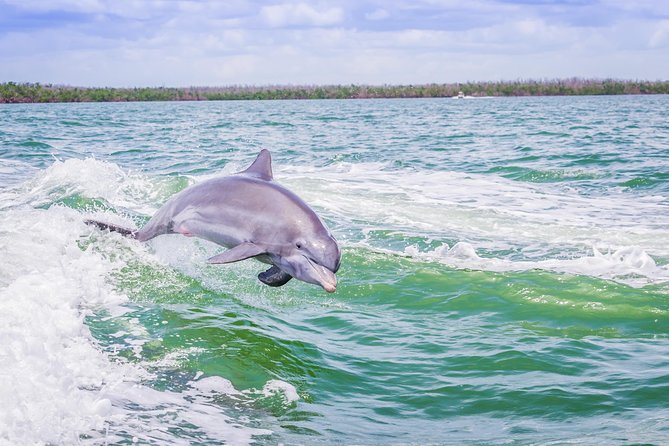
x: 242, y: 251
x: 274, y: 277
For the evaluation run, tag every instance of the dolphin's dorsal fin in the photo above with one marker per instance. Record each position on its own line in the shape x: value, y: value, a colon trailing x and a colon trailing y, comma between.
x: 261, y: 167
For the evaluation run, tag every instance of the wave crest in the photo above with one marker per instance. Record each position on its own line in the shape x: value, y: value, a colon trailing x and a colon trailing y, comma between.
x: 629, y: 265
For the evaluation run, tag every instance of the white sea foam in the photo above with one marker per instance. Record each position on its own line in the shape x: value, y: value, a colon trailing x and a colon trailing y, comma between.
x: 628, y: 265
x: 96, y: 179
x: 483, y: 204
x: 215, y: 384
x: 286, y: 390
x: 55, y: 384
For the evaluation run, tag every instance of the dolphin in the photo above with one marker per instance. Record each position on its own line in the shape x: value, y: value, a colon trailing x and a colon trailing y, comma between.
x: 254, y: 217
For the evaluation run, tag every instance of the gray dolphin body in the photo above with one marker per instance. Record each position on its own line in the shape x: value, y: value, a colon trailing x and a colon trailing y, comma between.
x: 253, y: 217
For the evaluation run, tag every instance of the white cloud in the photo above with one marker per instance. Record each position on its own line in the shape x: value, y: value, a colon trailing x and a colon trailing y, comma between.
x: 377, y: 14
x: 57, y: 5
x: 126, y: 8
x: 660, y: 36
x: 290, y: 14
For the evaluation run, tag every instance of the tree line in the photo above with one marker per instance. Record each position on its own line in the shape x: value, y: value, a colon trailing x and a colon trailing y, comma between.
x: 12, y: 92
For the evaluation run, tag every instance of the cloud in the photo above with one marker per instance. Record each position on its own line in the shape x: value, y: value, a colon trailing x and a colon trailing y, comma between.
x: 377, y: 14
x: 660, y: 36
x: 300, y: 14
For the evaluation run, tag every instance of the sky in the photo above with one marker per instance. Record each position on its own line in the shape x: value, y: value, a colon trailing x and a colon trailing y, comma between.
x: 174, y: 43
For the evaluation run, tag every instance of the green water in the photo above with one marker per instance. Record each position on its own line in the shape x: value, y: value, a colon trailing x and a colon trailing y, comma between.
x: 504, y: 279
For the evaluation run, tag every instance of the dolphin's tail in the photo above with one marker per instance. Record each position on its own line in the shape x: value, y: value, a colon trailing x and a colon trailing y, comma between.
x: 112, y: 228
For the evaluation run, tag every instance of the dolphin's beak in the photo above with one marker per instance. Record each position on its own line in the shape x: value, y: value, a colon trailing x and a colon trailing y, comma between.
x: 324, y: 277
x: 303, y: 268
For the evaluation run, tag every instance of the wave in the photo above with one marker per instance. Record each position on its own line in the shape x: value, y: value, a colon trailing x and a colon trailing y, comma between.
x: 648, y: 182
x: 35, y: 145
x: 91, y: 178
x: 628, y: 265
x: 542, y: 176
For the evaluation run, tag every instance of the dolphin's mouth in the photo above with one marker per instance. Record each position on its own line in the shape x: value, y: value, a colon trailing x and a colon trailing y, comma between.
x: 324, y: 276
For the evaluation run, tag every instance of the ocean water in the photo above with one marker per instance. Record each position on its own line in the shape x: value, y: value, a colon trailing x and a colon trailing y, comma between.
x: 505, y: 276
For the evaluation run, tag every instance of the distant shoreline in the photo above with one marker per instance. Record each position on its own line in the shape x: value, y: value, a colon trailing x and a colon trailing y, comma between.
x: 12, y: 92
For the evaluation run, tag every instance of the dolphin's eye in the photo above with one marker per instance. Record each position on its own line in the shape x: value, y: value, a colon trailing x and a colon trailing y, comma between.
x: 299, y: 245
